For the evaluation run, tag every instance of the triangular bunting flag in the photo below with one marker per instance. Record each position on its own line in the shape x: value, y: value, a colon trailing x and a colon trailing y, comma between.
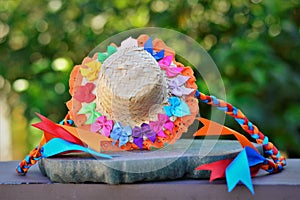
x: 213, y: 128
x: 238, y: 171
x: 217, y: 168
x: 58, y: 145
x: 55, y: 130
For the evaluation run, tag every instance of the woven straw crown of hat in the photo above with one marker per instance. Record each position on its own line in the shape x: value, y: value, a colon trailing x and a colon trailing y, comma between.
x: 131, y: 87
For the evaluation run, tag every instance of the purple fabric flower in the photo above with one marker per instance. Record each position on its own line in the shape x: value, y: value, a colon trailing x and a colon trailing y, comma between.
x: 138, y: 134
x: 177, y: 87
x: 162, y: 122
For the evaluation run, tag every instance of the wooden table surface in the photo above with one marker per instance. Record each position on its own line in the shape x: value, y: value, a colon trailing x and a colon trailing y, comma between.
x: 284, y: 185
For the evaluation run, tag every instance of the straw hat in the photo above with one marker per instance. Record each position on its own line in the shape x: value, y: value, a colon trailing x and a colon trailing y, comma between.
x: 136, y: 94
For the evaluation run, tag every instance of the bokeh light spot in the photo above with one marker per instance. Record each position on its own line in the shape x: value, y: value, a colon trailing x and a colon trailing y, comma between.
x: 41, y: 26
x: 159, y: 6
x: 4, y: 30
x: 54, y: 5
x: 274, y: 30
x: 98, y: 22
x: 17, y: 40
x: 44, y: 38
x: 59, y: 88
x: 62, y: 64
x: 20, y: 85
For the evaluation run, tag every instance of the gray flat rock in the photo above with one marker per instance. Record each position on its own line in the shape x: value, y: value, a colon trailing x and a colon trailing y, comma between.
x: 177, y: 161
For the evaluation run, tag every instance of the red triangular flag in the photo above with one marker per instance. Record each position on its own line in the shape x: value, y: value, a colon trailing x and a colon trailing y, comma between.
x: 217, y: 168
x: 54, y: 129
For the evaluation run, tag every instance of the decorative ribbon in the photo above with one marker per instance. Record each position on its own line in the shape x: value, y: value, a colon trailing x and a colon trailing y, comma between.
x: 120, y: 133
x: 103, y: 56
x: 177, y: 87
x: 165, y: 64
x: 177, y: 108
x: 139, y: 133
x: 162, y: 122
x: 102, y: 124
x: 91, y: 110
x: 91, y: 73
x: 84, y: 93
x: 149, y: 48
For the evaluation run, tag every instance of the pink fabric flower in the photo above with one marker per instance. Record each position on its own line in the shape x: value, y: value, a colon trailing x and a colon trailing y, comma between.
x: 162, y: 122
x: 165, y: 64
x: 102, y: 124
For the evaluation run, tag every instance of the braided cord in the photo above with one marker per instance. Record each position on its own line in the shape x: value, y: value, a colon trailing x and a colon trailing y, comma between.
x: 33, y: 157
x: 269, y: 149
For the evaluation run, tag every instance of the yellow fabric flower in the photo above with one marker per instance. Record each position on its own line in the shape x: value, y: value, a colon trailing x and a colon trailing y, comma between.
x: 91, y: 73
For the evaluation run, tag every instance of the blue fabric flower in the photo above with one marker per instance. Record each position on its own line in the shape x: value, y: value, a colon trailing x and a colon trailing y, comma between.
x: 177, y: 108
x: 120, y: 133
x: 149, y: 48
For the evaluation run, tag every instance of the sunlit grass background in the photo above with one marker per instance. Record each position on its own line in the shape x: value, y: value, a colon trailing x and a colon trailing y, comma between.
x: 255, y: 45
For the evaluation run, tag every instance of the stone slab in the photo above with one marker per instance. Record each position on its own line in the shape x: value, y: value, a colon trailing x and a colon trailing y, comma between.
x: 177, y: 161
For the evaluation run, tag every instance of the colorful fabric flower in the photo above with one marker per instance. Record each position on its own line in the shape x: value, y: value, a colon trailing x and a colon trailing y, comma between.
x: 177, y: 108
x: 102, y: 124
x: 84, y: 93
x: 177, y: 87
x: 187, y: 71
x: 103, y: 56
x: 91, y: 73
x: 120, y: 133
x: 90, y: 110
x: 149, y: 48
x: 139, y: 133
x: 162, y: 122
x: 165, y: 64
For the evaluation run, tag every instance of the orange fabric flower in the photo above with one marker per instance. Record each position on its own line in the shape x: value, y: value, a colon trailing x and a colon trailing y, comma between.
x: 74, y: 106
x: 187, y: 71
x: 158, y: 45
x: 75, y: 79
x: 142, y: 39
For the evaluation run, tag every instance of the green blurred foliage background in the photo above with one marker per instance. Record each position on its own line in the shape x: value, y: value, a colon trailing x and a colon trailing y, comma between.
x: 255, y: 45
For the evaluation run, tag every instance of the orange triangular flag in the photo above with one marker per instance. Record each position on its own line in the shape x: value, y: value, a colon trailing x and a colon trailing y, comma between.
x: 91, y: 139
x: 214, y: 128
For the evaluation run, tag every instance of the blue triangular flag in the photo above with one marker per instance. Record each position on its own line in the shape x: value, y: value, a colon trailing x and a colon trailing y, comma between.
x: 239, y: 170
x: 254, y: 157
x: 57, y: 145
